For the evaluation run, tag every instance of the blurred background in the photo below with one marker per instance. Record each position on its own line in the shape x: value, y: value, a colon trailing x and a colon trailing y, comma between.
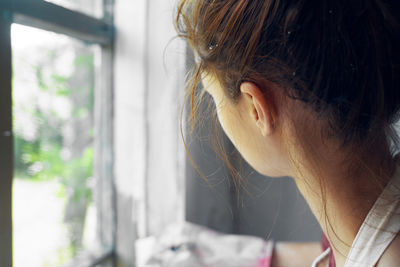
x: 91, y: 115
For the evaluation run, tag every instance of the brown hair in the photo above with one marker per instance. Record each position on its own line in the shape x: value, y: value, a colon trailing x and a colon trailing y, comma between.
x: 340, y: 58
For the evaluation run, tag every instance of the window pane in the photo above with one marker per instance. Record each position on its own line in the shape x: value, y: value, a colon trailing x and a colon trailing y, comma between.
x: 54, y: 216
x: 90, y: 7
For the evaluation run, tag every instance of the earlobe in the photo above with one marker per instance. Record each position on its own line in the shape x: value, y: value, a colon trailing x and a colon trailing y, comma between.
x: 260, y: 108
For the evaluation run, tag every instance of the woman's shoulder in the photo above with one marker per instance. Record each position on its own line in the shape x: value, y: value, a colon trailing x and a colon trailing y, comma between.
x: 391, y: 256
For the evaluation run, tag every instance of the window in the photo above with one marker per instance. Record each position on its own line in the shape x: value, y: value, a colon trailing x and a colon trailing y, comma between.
x: 56, y: 127
x: 53, y: 88
x: 90, y: 7
x: 128, y: 71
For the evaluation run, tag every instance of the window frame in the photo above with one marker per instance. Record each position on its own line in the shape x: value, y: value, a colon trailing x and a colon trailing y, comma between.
x: 54, y: 18
x: 6, y: 144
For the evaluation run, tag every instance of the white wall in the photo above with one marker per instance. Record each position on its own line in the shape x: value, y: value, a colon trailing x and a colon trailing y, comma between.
x: 149, y: 157
x: 165, y: 81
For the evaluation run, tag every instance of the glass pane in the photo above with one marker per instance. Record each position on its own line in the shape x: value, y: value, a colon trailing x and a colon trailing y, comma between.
x: 54, y: 216
x: 90, y: 7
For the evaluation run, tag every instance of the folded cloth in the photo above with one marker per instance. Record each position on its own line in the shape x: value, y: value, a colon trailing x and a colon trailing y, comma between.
x: 190, y: 245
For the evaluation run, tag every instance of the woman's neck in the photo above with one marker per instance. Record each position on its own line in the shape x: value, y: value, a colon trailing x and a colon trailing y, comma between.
x: 348, y: 191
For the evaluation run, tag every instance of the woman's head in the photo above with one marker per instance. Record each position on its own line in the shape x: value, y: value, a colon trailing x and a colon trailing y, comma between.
x: 316, y: 73
x: 253, y: 124
x: 339, y: 58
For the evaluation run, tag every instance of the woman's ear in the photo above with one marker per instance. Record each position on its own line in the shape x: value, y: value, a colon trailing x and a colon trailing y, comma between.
x: 260, y: 108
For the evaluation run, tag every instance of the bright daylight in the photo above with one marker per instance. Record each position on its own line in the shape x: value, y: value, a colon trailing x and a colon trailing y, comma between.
x: 199, y: 133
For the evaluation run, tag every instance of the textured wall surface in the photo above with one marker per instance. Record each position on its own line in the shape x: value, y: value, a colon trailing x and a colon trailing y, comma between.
x: 149, y: 155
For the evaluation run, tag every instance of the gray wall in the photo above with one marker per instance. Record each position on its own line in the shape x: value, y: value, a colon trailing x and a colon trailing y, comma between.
x: 272, y: 208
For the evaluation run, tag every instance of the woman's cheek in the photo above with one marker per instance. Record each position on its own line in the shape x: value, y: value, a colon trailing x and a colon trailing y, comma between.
x: 229, y: 124
x: 224, y: 122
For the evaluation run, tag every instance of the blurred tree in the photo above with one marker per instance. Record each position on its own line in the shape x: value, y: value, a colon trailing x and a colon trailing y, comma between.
x: 54, y: 127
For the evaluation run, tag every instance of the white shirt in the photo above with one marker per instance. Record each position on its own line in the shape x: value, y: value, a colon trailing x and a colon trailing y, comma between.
x: 377, y: 231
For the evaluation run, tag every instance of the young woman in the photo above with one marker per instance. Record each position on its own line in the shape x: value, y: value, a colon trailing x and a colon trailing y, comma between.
x: 310, y: 89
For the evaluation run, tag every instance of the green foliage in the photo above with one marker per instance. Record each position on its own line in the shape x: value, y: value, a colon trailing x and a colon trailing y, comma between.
x: 53, y: 106
x: 85, y: 61
x: 64, y: 255
x: 47, y: 156
x: 77, y: 174
x: 32, y: 161
x: 60, y: 85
